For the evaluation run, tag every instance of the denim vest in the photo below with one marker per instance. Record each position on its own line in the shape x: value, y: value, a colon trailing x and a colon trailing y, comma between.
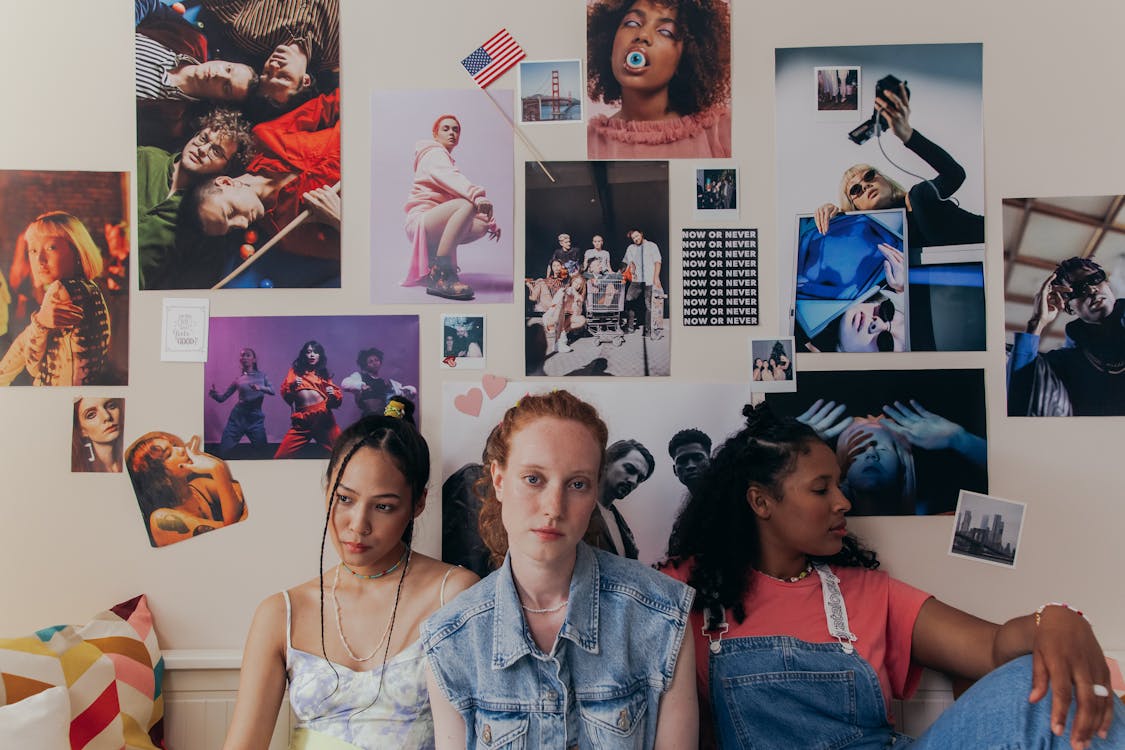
x: 616, y: 652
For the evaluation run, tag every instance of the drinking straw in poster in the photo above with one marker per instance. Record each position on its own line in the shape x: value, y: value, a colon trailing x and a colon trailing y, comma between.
x: 851, y: 292
x: 181, y: 490
x: 596, y: 248
x: 915, y: 143
x: 65, y: 252
x: 442, y: 201
x: 238, y: 144
x: 1064, y: 307
x: 284, y: 387
x: 908, y: 441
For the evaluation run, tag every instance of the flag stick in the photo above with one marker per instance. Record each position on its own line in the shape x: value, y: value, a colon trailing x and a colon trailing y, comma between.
x: 534, y: 151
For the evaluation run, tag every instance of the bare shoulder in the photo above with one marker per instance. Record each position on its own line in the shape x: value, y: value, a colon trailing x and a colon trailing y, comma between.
x: 434, y: 572
x: 268, y: 626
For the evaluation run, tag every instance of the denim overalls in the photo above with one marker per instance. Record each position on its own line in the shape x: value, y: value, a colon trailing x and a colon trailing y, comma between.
x: 612, y: 662
x: 781, y: 692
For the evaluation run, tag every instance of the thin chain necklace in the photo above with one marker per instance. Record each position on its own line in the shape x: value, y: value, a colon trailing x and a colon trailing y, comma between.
x: 546, y: 611
x: 373, y: 576
x: 339, y: 618
x: 791, y: 579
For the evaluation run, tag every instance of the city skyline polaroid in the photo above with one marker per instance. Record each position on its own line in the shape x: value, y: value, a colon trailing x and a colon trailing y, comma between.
x: 987, y: 529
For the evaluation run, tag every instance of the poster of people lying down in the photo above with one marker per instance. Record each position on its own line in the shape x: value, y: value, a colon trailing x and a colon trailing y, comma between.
x: 238, y: 144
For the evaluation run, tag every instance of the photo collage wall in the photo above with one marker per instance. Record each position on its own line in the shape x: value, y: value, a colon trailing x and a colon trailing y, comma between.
x: 879, y: 250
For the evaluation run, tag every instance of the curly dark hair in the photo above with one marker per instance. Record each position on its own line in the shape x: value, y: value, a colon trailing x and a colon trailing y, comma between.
x: 230, y: 123
x: 702, y: 80
x: 718, y: 530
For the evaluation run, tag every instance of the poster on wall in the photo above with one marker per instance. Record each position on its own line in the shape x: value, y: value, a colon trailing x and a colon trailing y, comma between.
x: 182, y: 491
x: 442, y: 197
x: 550, y: 91
x: 915, y: 143
x: 908, y: 441
x: 238, y: 144
x: 596, y: 267
x: 720, y: 273
x: 1064, y: 304
x: 64, y: 286
x: 284, y: 387
x: 97, y: 434
x: 644, y: 62
x: 852, y: 287
x: 654, y: 454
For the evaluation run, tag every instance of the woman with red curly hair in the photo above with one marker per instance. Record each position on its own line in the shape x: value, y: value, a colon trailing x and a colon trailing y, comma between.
x: 668, y: 64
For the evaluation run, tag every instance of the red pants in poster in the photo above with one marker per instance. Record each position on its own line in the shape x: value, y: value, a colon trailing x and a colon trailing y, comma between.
x: 311, y: 423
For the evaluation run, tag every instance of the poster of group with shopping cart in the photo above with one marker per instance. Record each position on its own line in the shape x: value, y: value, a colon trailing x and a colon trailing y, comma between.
x: 596, y: 260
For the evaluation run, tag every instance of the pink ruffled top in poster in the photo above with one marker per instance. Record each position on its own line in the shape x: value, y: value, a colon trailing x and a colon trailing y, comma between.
x: 705, y: 135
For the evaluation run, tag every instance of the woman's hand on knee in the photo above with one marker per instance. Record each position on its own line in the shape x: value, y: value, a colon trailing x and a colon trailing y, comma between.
x: 1067, y: 660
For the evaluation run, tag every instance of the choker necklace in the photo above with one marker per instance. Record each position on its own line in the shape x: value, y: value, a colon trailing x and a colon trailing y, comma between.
x: 546, y: 611
x: 791, y: 579
x: 373, y: 576
x: 339, y: 619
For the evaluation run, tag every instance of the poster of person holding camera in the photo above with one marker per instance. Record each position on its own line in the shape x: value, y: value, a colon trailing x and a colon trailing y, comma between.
x: 883, y: 160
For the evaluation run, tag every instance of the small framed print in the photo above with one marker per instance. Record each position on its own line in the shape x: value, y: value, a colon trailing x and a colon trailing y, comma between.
x: 987, y: 529
x: 837, y: 92
x: 716, y: 192
x: 773, y: 368
x: 183, y: 332
x: 551, y: 91
x: 462, y: 341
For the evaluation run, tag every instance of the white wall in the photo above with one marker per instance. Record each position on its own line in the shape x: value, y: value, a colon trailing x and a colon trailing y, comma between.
x: 71, y: 545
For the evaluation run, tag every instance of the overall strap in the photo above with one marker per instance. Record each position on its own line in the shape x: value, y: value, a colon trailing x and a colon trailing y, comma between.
x: 835, y: 612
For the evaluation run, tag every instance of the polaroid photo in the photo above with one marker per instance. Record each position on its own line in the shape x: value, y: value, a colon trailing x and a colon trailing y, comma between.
x: 550, y: 91
x: 462, y: 341
x: 987, y: 529
x: 851, y: 292
x: 183, y: 333
x: 773, y: 368
x: 716, y: 192
x: 837, y: 92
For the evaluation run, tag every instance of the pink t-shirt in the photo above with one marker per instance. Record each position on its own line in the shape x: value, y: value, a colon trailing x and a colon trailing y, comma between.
x: 881, y: 612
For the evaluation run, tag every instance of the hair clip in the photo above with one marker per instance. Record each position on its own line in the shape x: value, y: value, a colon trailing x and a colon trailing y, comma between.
x: 395, y: 409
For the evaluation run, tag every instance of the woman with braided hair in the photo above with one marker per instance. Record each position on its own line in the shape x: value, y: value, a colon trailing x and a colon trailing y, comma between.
x: 67, y: 340
x: 348, y: 687
x: 800, y: 641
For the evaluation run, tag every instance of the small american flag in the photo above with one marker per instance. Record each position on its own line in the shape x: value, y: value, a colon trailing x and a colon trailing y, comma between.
x: 493, y: 58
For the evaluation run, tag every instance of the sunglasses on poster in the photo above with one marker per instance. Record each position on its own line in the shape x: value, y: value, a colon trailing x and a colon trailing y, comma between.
x: 1085, y: 287
x: 865, y: 179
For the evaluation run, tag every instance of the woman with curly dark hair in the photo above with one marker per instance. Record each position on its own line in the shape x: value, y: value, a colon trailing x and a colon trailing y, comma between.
x: 800, y: 640
x: 668, y: 64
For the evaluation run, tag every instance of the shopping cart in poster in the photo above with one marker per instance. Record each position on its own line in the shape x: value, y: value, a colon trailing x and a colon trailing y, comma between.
x: 605, y: 300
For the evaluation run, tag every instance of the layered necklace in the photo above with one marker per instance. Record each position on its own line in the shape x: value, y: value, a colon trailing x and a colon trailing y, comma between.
x: 390, y: 620
x: 546, y: 611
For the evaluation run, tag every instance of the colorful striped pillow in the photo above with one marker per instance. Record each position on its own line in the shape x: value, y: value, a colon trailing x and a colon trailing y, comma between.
x: 112, y: 669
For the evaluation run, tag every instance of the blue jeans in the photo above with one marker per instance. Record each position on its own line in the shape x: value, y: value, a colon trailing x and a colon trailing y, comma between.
x: 994, y: 715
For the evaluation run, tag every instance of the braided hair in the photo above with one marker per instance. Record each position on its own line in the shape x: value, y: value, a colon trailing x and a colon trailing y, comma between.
x: 401, y: 442
x: 718, y: 530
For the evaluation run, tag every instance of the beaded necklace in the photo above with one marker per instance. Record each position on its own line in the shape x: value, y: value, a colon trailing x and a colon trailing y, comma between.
x: 791, y: 579
x: 373, y: 576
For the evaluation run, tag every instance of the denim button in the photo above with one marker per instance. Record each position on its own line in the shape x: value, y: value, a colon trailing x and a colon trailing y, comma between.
x: 486, y: 733
x: 552, y: 695
x: 623, y: 719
